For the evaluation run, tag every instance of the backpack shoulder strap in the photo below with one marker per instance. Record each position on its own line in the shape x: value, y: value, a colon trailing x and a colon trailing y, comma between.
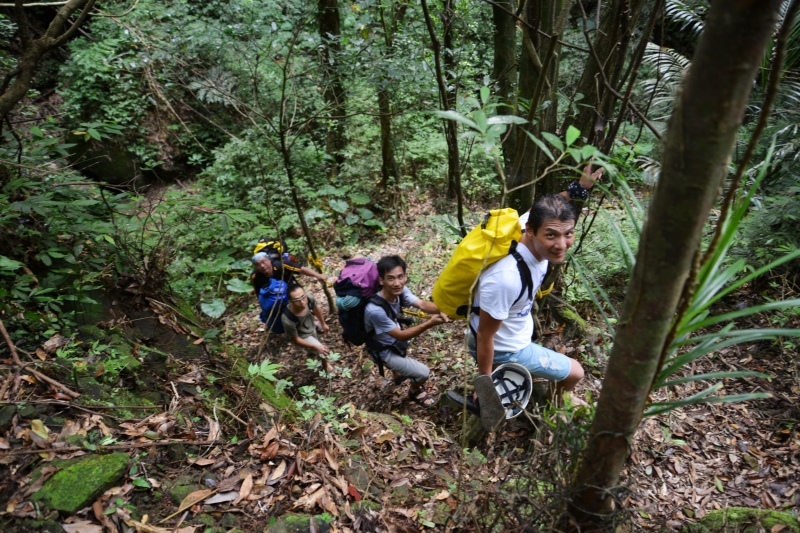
x: 386, y: 306
x: 291, y: 316
x: 524, y: 273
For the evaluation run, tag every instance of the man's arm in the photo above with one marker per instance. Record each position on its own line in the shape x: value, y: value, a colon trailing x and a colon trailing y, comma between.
x: 305, y: 271
x: 414, y: 331
x: 318, y: 313
x: 587, y: 180
x: 319, y: 348
x: 487, y: 328
x: 426, y: 307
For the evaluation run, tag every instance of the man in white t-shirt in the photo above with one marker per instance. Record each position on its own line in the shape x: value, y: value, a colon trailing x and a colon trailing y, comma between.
x: 504, y: 295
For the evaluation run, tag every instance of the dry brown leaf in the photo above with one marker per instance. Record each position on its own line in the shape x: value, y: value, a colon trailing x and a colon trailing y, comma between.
x: 331, y: 461
x: 201, y: 462
x: 383, y: 437
x: 777, y: 528
x: 222, y: 498
x: 4, y: 445
x: 277, y: 473
x: 198, y: 341
x: 271, y: 435
x: 84, y: 526
x: 54, y: 343
x: 41, y: 354
x: 442, y: 495
x: 229, y: 484
x: 244, y: 492
x: 194, y: 497
x: 399, y: 482
x: 213, y: 429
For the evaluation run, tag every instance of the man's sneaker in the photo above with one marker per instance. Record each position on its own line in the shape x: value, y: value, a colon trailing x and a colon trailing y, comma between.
x: 460, y: 400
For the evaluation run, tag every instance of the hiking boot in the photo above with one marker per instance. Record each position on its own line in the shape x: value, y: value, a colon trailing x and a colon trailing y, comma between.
x: 456, y: 398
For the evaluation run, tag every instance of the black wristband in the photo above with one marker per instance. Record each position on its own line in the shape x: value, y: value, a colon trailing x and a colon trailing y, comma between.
x: 577, y: 191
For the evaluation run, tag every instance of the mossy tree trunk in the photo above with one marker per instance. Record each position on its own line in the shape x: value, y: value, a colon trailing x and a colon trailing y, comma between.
x: 504, y: 70
x: 333, y: 87
x: 698, y: 144
x: 538, y: 83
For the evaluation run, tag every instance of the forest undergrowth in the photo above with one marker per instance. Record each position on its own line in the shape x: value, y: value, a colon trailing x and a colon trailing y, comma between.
x: 348, y: 448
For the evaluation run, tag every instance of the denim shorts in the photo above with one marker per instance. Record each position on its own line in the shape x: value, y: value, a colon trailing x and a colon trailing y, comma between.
x: 540, y: 361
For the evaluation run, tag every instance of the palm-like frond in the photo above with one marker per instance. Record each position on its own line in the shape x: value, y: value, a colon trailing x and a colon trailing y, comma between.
x: 670, y: 67
x: 689, y: 15
x: 215, y: 87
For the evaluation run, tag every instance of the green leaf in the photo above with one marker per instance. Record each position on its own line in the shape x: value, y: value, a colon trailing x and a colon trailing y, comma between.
x: 506, y: 119
x: 141, y: 482
x: 351, y: 219
x: 572, y: 135
x: 716, y: 375
x: 552, y: 139
x: 453, y: 115
x: 360, y: 198
x: 480, y: 120
x: 9, y: 264
x: 588, y: 151
x: 426, y: 523
x: 541, y: 146
x: 339, y: 206
x: 718, y: 484
x: 365, y: 213
x: 37, y: 132
x: 213, y: 308
x: 238, y: 285
x: 485, y: 93
x: 94, y: 134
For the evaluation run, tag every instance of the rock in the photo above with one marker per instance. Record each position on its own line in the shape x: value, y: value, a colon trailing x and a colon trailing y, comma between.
x: 176, y: 451
x: 300, y: 523
x: 90, y: 332
x: 744, y: 520
x: 6, y: 416
x: 205, y: 519
x: 28, y: 412
x: 80, y: 484
x: 228, y: 521
x: 182, y: 487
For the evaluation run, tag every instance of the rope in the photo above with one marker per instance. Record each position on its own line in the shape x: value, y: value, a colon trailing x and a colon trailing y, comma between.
x: 315, y: 262
x: 419, y: 314
x: 542, y: 293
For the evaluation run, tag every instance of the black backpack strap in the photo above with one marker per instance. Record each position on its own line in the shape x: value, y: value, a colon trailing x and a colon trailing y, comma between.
x: 524, y: 273
x: 291, y: 316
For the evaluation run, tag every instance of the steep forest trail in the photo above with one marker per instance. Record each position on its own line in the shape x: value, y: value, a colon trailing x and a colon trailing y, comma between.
x: 212, y: 450
x: 684, y: 464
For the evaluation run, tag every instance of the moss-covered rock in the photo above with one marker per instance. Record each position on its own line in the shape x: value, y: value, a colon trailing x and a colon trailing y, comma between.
x: 300, y: 523
x: 81, y: 483
x: 90, y: 332
x: 744, y: 520
x: 181, y: 488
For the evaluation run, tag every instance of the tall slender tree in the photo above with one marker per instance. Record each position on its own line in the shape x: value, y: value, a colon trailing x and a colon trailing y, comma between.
x: 604, y: 66
x: 333, y: 91
x: 698, y: 145
x: 504, y: 70
x: 538, y: 83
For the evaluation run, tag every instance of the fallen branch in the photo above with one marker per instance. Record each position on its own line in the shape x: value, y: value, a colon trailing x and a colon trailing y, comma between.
x: 117, y: 447
x: 38, y: 375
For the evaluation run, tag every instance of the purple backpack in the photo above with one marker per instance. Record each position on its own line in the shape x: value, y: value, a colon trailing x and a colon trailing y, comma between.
x: 359, y: 277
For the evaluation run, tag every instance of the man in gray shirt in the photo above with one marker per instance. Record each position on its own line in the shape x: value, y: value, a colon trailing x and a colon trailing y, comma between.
x: 389, y: 340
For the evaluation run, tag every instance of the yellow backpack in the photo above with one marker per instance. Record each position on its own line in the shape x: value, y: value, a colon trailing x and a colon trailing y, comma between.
x: 487, y: 243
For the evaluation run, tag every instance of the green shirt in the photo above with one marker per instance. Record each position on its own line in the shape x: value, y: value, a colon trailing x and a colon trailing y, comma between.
x: 305, y: 327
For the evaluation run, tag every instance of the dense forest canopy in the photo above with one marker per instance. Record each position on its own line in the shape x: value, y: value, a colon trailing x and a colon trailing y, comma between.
x: 147, y: 146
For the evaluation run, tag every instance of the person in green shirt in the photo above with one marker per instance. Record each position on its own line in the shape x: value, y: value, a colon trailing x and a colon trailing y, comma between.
x: 302, y: 321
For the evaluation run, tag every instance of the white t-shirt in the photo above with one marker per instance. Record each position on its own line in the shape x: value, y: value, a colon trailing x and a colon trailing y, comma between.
x: 498, y: 286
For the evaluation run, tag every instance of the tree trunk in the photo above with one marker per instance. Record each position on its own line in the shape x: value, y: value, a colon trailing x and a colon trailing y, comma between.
x: 538, y: 83
x: 451, y: 130
x: 504, y: 72
x: 333, y: 89
x: 450, y: 93
x: 697, y: 149
x: 611, y: 45
x: 389, y: 170
x: 34, y: 49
